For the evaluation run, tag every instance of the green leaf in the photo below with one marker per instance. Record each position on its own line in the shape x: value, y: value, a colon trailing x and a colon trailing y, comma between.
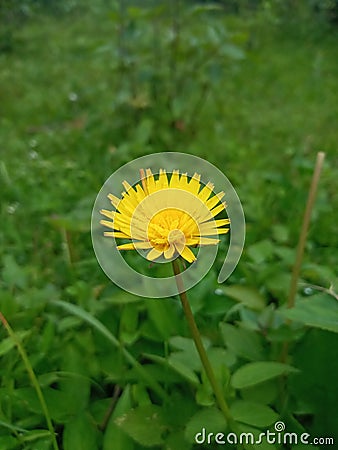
x: 253, y: 413
x: 57, y: 402
x: 145, y: 424
x: 261, y: 251
x: 248, y: 296
x: 244, y: 343
x: 129, y: 330
x: 258, y: 372
x: 177, y: 441
x: 319, y: 311
x: 76, y: 389
x: 264, y: 393
x: 164, y: 317
x: 8, y: 442
x: 211, y: 419
x: 114, y: 437
x: 122, y: 298
x: 183, y: 370
x: 188, y: 354
x: 8, y: 343
x: 80, y: 433
x: 12, y: 273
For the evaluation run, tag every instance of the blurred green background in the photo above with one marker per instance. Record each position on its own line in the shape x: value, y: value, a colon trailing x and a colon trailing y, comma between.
x: 86, y: 86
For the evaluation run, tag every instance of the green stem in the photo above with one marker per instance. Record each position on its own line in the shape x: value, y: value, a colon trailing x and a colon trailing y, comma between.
x: 305, y: 228
x: 200, y: 348
x: 32, y: 377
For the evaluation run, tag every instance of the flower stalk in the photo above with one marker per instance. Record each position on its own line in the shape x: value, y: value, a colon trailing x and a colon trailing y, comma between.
x: 223, y: 406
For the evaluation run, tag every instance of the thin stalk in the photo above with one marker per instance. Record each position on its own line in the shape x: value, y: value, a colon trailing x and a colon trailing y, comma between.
x: 110, y: 410
x: 305, y: 228
x: 200, y: 348
x: 32, y: 377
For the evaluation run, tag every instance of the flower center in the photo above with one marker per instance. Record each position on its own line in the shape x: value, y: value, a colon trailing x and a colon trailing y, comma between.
x: 176, y: 237
x: 166, y: 229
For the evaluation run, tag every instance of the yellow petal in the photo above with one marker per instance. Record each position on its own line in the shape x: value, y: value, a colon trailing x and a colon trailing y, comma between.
x: 194, y: 184
x: 143, y: 181
x: 126, y: 247
x: 169, y: 253
x: 107, y: 224
x: 188, y: 255
x: 134, y: 245
x: 116, y: 234
x: 107, y: 213
x: 174, y: 180
x: 114, y: 200
x: 154, y: 254
x: 150, y: 182
x: 208, y: 241
x: 214, y: 200
x: 218, y: 209
x: 206, y: 192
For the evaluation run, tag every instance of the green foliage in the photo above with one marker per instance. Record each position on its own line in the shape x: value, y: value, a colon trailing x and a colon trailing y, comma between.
x: 254, y: 373
x: 85, y: 87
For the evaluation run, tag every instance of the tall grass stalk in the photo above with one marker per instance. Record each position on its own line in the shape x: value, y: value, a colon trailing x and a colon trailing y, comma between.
x: 305, y: 228
x: 32, y: 377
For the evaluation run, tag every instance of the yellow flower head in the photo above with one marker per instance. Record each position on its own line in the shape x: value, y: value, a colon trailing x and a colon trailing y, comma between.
x: 166, y: 216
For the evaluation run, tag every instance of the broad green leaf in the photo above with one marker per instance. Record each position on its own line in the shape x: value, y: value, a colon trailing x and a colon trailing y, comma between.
x: 176, y: 441
x: 210, y: 419
x: 187, y: 355
x: 264, y: 393
x: 122, y: 298
x: 179, y: 410
x: 114, y: 437
x: 245, y: 295
x: 12, y: 273
x: 7, y: 344
x: 145, y: 424
x: 319, y: 311
x: 183, y: 370
x: 261, y: 251
x: 80, y: 433
x: 129, y: 330
x: 8, y: 443
x: 253, y: 413
x: 163, y: 316
x: 316, y: 357
x: 76, y: 389
x: 258, y: 372
x: 57, y: 401
x: 244, y: 343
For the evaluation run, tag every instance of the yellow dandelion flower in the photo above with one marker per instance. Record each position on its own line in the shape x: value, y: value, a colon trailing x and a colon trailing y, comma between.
x: 166, y: 215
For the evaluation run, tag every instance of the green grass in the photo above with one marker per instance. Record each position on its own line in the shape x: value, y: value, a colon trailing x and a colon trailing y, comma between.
x: 256, y: 97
